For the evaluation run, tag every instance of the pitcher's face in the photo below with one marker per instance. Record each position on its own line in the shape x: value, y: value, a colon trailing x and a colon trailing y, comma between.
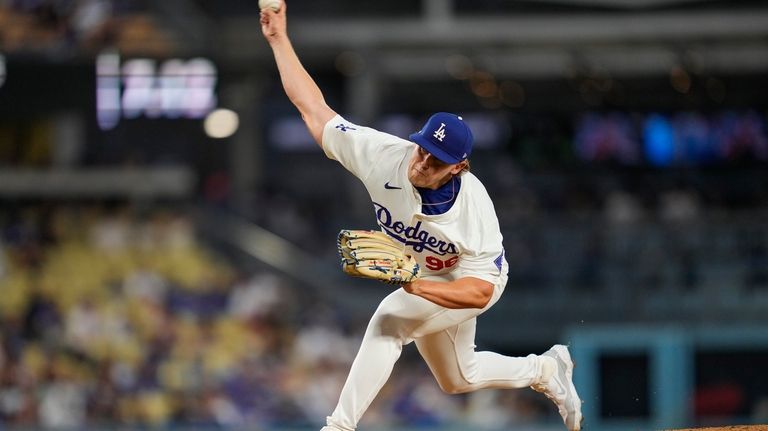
x: 429, y: 172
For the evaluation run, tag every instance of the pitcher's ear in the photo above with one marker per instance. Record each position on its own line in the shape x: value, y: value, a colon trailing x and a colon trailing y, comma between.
x: 463, y: 166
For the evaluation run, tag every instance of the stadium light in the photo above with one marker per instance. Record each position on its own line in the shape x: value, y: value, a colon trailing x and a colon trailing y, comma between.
x: 221, y: 123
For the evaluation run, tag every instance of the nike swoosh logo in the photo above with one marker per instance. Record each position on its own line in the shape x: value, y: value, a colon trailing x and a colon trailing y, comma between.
x: 388, y: 187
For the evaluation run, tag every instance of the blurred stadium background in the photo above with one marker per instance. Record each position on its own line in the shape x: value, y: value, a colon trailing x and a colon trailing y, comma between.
x: 156, y: 186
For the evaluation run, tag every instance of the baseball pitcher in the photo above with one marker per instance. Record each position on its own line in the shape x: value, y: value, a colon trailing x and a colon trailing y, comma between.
x: 439, y: 240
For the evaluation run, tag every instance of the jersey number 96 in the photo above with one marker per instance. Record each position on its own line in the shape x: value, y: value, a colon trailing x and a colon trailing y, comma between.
x: 436, y: 264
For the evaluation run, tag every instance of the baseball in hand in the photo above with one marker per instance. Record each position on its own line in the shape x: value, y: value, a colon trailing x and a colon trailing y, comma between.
x: 272, y: 4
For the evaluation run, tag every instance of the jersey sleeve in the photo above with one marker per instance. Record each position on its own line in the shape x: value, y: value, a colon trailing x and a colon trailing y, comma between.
x: 356, y: 147
x: 483, y: 256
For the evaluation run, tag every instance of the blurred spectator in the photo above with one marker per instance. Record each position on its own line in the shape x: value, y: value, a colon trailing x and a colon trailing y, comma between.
x: 496, y: 409
x: 18, y: 398
x: 42, y: 318
x: 418, y: 401
x: 696, y: 146
x: 622, y: 208
x: 607, y: 138
x: 254, y: 297
x: 62, y: 27
x: 679, y: 206
x: 145, y: 284
x: 89, y: 17
x: 744, y: 137
x: 62, y: 400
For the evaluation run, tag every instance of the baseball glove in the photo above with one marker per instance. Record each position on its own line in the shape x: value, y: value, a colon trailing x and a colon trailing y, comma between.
x: 372, y: 254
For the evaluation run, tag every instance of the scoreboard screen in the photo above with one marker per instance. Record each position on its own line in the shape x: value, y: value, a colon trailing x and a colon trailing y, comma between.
x: 136, y: 87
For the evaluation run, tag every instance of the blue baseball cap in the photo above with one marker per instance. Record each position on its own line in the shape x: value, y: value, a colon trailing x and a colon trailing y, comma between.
x: 445, y: 136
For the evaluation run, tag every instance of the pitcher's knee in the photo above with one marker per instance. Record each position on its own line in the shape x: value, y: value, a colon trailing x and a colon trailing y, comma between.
x: 453, y: 388
x: 463, y: 378
x: 456, y: 384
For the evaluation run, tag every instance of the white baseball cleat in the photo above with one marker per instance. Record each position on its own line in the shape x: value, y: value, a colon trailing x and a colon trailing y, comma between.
x: 560, y: 388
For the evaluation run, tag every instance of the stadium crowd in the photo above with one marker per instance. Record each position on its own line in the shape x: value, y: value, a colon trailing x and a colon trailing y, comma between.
x: 112, y: 316
x: 66, y: 27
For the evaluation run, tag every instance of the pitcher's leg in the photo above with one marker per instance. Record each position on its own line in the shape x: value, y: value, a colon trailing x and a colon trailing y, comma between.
x: 450, y: 355
x: 370, y: 370
x: 389, y: 329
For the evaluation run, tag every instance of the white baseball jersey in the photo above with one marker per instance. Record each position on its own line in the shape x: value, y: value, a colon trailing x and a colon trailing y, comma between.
x: 465, y: 241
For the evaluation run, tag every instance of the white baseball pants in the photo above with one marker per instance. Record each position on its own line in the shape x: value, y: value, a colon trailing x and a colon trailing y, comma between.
x: 445, y: 339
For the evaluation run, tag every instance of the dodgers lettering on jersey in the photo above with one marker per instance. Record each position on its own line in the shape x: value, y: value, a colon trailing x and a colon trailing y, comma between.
x: 415, y: 237
x: 464, y: 241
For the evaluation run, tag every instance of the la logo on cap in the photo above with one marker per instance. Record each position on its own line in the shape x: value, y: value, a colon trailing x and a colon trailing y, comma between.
x: 440, y: 132
x: 446, y: 137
